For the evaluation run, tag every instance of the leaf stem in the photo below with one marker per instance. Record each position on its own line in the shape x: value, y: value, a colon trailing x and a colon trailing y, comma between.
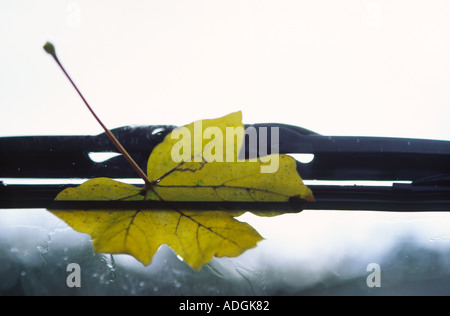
x: 49, y: 48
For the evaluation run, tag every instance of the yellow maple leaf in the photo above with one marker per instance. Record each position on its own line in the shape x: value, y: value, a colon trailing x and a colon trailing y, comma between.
x: 206, y: 175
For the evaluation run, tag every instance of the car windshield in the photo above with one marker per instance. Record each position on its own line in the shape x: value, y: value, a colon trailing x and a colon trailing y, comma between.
x: 366, y: 69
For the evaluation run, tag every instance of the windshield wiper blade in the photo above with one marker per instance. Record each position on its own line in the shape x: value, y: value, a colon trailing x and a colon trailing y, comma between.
x: 424, y: 163
x: 335, y: 157
x: 68, y: 156
x: 398, y: 198
x: 365, y: 158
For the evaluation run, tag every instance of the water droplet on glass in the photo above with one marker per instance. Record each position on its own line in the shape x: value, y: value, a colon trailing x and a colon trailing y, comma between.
x: 158, y: 131
x: 23, y: 273
x: 180, y: 258
x: 42, y: 249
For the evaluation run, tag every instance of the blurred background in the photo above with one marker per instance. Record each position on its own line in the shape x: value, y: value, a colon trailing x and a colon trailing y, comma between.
x: 369, y: 68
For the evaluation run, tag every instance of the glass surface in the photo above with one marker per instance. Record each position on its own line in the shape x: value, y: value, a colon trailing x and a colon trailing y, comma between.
x: 369, y: 68
x: 311, y: 253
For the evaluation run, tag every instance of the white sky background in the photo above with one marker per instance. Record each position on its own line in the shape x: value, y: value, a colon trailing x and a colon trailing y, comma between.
x: 370, y: 68
x: 337, y: 67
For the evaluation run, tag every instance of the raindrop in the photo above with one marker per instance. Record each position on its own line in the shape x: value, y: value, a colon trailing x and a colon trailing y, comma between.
x: 42, y: 249
x: 180, y: 258
x: 158, y: 131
